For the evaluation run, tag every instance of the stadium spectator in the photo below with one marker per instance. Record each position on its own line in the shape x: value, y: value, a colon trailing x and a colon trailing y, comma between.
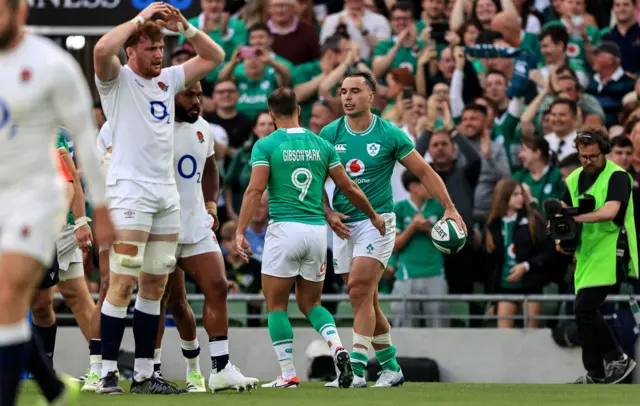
x: 419, y: 265
x: 495, y: 165
x: 181, y: 53
x: 569, y: 164
x: 308, y: 77
x: 481, y: 12
x: 321, y: 115
x: 397, y: 80
x: 626, y: 33
x: 564, y: 122
x: 261, y: 38
x: 293, y: 39
x: 226, y: 115
x: 610, y: 82
x: 360, y: 24
x: 621, y: 152
x: 257, y: 229
x: 228, y: 31
x: 433, y: 11
x: 402, y: 48
x: 243, y: 277
x: 262, y: 75
x: 238, y: 172
x: 507, y: 24
x: 540, y: 178
x: 581, y: 36
x: 518, y: 250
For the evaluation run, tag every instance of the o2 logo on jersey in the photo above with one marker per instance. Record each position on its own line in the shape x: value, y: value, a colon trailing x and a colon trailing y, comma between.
x: 4, y: 114
x: 355, y: 167
x: 194, y: 168
x: 179, y: 4
x: 159, y: 111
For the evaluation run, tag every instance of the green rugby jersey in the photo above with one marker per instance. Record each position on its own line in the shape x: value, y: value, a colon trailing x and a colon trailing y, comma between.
x: 508, y: 225
x: 61, y: 143
x: 254, y: 93
x: 576, y: 52
x: 299, y: 162
x: 369, y: 157
x: 419, y: 258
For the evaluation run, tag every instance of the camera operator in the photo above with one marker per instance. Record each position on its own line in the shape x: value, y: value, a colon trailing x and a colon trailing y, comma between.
x: 609, y: 227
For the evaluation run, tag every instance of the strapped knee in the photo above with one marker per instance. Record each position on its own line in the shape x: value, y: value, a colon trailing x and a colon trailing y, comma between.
x: 126, y: 264
x: 161, y: 257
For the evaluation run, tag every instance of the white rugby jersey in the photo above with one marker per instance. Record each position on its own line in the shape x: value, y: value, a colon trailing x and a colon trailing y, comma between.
x: 141, y: 114
x: 41, y: 89
x: 103, y: 143
x: 193, y: 144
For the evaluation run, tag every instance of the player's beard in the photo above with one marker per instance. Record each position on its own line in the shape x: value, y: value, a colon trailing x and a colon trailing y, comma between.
x: 9, y: 34
x: 189, y: 116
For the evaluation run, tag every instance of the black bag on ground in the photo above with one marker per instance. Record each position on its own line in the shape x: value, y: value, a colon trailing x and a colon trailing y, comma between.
x: 413, y: 369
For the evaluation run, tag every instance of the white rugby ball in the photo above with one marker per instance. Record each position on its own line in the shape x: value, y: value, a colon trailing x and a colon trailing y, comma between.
x: 447, y: 237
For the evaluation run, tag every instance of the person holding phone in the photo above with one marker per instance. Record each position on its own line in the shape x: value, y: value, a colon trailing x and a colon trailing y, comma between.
x: 401, y: 51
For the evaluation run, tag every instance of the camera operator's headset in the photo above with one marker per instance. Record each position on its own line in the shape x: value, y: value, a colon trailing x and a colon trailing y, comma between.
x: 605, y: 146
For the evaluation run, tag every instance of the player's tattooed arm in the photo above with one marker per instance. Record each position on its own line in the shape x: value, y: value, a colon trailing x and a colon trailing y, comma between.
x: 250, y: 204
x: 211, y: 188
x: 356, y: 196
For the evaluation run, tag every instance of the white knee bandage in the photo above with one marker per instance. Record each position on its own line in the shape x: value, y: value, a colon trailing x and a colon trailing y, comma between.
x: 361, y: 340
x: 160, y: 257
x: 382, y: 339
x: 126, y: 264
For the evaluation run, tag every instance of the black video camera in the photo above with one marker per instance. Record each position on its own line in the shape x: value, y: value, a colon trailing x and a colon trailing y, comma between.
x: 562, y: 226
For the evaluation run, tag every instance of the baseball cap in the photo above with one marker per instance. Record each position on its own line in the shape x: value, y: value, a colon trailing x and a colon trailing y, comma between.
x: 609, y: 47
x: 182, y: 49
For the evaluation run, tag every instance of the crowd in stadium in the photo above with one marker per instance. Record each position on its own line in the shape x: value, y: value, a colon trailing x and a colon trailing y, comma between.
x: 511, y: 80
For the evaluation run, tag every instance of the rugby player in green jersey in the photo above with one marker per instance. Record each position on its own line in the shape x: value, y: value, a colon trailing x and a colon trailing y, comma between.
x: 369, y: 147
x: 292, y: 164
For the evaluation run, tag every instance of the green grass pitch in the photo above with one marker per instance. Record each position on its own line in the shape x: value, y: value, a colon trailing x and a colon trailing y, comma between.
x: 428, y: 394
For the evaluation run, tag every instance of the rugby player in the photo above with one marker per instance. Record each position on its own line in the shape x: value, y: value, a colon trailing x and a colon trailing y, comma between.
x: 42, y: 87
x: 138, y: 100
x: 369, y: 147
x: 294, y: 164
x: 198, y: 251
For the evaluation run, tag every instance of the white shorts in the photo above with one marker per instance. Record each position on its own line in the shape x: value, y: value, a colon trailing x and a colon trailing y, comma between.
x: 31, y: 216
x: 365, y: 241
x: 208, y: 244
x: 150, y: 207
x: 69, y: 255
x: 292, y: 249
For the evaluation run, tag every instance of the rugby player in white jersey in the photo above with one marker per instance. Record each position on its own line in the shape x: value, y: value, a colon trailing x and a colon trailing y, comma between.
x: 41, y: 88
x: 198, y: 251
x: 138, y: 101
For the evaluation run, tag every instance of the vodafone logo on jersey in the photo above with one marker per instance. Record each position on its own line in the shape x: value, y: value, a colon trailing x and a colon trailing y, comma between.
x: 355, y: 167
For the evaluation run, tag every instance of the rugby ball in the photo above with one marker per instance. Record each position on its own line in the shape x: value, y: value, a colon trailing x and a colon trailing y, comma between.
x: 448, y: 237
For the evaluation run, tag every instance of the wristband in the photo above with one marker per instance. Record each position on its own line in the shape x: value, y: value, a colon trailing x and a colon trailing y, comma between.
x: 80, y: 222
x: 138, y: 21
x: 190, y: 32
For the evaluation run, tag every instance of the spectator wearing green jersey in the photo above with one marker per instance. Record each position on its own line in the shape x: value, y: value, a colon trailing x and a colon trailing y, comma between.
x: 507, y: 24
x: 433, y: 11
x: 518, y: 250
x: 554, y: 41
x: 582, y: 37
x: 540, y: 178
x: 419, y: 265
x: 239, y: 170
x: 401, y: 51
x: 261, y: 38
x: 261, y: 75
x: 308, y: 77
x: 229, y: 32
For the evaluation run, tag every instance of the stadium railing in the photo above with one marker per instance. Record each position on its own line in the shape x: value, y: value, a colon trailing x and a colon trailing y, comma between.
x: 196, y: 301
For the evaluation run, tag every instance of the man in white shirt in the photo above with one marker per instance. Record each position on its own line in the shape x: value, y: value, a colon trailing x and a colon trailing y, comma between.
x: 42, y: 88
x: 138, y: 100
x: 564, y: 121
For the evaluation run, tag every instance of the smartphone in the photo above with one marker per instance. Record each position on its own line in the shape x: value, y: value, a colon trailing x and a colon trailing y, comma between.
x: 438, y: 31
x: 247, y: 52
x: 407, y: 93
